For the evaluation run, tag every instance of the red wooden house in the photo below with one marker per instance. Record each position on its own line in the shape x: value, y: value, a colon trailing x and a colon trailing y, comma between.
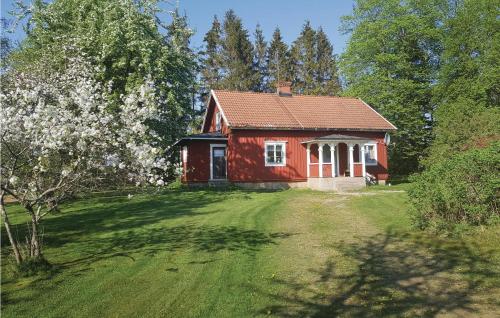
x: 280, y: 139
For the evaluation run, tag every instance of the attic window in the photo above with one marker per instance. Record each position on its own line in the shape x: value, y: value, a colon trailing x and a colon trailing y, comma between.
x: 218, y: 121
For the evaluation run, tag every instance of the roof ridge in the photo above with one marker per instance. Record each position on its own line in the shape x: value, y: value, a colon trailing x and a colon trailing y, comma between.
x: 289, y: 112
x: 293, y: 95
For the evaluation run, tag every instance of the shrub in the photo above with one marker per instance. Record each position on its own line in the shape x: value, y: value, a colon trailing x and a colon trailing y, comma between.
x: 34, y: 266
x: 460, y: 190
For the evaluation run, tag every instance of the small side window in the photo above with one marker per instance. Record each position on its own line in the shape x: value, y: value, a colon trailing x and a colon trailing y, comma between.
x: 218, y: 118
x: 371, y: 155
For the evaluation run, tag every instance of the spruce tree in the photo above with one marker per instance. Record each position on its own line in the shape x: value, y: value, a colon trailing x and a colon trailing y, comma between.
x: 303, y: 54
x: 326, y: 77
x: 211, y: 59
x: 237, y: 55
x: 260, y: 60
x: 278, y: 61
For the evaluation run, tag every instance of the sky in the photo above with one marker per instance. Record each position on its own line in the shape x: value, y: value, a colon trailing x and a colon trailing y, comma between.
x: 288, y: 15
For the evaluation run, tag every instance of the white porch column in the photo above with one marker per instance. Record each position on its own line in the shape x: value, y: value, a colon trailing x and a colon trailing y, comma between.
x: 320, y: 155
x: 351, y: 160
x: 337, y: 161
x: 363, y: 149
x: 332, y: 158
x: 308, y: 160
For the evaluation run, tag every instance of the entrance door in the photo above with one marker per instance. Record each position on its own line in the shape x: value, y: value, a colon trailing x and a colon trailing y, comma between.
x: 218, y: 163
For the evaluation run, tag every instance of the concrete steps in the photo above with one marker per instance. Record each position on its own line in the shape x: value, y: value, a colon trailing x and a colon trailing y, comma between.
x: 338, y: 184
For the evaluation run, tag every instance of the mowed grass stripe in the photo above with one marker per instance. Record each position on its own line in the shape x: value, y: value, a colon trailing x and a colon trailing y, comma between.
x: 213, y: 253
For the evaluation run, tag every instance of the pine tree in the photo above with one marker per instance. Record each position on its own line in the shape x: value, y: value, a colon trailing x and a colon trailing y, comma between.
x: 326, y: 78
x: 211, y: 60
x: 260, y: 58
x: 237, y: 55
x: 278, y: 61
x: 303, y: 54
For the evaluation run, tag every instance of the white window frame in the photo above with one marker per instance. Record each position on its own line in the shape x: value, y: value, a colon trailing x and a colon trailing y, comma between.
x: 375, y: 153
x: 212, y: 146
x: 275, y: 143
x: 218, y: 121
x: 184, y: 154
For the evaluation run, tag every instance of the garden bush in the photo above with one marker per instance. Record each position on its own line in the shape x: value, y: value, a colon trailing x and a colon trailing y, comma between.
x: 460, y: 190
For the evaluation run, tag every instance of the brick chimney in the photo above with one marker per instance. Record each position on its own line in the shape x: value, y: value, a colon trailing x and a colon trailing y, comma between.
x: 284, y: 88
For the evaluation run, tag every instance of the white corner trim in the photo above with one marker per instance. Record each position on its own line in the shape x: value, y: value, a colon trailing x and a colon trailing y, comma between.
x: 212, y: 146
x: 271, y: 142
x: 375, y: 146
x: 219, y: 107
x: 376, y: 112
x: 185, y: 154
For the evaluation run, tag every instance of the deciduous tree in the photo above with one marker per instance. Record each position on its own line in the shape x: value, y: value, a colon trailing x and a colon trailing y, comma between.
x: 59, y: 138
x: 390, y: 62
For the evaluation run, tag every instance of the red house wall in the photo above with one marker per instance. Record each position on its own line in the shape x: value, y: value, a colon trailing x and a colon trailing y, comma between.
x: 198, y: 161
x: 246, y: 155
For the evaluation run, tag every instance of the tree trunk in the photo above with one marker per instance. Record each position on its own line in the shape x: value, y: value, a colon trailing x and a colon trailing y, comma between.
x: 6, y: 222
x: 35, y: 250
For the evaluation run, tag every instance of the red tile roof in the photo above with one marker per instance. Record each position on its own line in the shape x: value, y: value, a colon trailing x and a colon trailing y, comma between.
x: 269, y: 110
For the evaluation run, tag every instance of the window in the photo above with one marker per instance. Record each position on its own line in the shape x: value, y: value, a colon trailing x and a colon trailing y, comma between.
x: 371, y: 155
x: 327, y: 155
x: 275, y: 154
x: 218, y: 121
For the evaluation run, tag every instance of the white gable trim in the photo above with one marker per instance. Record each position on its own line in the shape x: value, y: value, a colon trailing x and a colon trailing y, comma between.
x: 219, y: 107
x: 217, y: 104
x: 376, y: 112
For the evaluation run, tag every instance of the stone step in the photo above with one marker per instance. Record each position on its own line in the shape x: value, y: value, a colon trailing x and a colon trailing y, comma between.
x: 339, y: 184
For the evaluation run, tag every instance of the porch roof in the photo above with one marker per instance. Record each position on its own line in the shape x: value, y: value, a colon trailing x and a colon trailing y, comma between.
x: 204, y: 136
x: 336, y: 137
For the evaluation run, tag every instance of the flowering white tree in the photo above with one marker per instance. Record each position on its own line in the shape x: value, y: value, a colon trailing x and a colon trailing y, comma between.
x: 59, y: 137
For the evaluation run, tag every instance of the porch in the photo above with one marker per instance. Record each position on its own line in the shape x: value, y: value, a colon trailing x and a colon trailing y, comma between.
x: 338, y: 161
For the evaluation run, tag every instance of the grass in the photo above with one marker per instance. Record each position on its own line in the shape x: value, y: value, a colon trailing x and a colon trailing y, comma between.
x: 294, y: 253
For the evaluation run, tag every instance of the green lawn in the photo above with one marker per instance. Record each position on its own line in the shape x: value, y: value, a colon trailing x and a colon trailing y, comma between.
x: 293, y: 253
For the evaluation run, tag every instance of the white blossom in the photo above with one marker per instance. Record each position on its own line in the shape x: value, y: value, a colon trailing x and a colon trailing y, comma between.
x: 62, y: 125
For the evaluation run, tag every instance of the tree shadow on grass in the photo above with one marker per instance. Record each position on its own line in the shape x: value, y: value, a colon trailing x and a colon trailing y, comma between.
x: 202, y: 238
x: 395, y: 275
x: 112, y: 214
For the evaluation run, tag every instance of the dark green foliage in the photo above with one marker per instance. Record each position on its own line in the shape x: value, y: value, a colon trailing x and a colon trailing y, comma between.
x: 303, y: 54
x: 326, y: 76
x: 211, y: 70
x: 314, y: 65
x: 260, y: 60
x: 468, y: 91
x: 461, y: 190
x: 231, y: 61
x: 279, y: 61
x: 237, y: 55
x: 390, y: 62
